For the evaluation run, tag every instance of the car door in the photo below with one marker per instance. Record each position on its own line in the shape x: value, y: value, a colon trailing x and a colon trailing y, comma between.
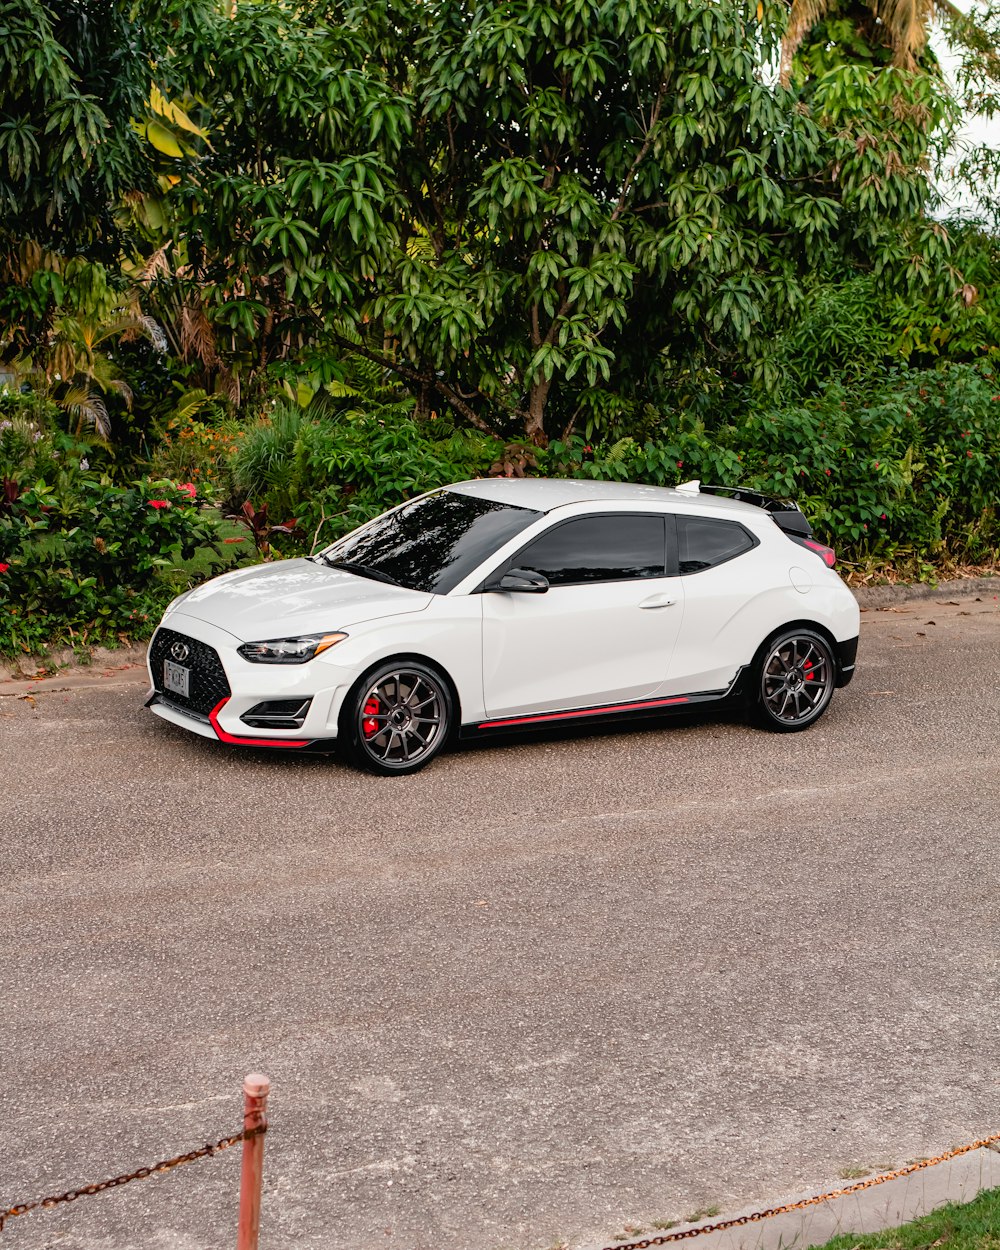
x: 601, y: 634
x: 723, y: 572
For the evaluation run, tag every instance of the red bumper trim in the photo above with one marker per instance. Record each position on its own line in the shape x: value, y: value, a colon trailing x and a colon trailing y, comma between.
x: 587, y: 711
x: 233, y: 740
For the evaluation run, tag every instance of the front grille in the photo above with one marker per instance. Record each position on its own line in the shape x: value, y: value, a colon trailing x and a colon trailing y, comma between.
x: 207, y: 685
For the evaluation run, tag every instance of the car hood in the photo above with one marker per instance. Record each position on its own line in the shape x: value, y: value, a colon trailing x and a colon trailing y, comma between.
x: 294, y: 597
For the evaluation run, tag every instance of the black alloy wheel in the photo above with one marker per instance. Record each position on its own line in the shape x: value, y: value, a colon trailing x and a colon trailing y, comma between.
x: 396, y: 719
x: 793, y: 681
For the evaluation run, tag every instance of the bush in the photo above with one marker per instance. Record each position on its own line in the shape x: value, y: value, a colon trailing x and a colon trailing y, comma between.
x: 906, y: 471
x: 92, y: 561
x: 331, y: 474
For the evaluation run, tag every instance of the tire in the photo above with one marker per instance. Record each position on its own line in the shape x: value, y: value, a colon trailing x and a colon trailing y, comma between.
x: 792, y: 681
x: 380, y: 729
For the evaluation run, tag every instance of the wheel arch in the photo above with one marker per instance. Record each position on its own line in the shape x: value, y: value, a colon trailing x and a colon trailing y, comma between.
x: 817, y: 628
x: 745, y: 680
x: 403, y: 657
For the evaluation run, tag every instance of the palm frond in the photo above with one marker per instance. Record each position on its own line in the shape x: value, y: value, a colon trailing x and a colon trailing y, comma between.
x: 122, y: 388
x: 905, y: 23
x: 804, y: 15
x: 86, y: 405
x: 197, y: 338
x: 156, y: 266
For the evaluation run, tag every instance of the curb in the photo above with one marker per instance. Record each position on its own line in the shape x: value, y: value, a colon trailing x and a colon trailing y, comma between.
x: 894, y: 1203
x: 880, y: 596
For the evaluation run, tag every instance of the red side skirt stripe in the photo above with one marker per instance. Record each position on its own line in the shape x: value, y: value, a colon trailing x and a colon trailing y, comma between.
x: 233, y: 740
x: 587, y: 711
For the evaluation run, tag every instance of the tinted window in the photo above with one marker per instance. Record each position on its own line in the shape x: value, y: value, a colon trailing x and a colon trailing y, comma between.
x: 704, y: 543
x: 431, y: 543
x: 598, y: 549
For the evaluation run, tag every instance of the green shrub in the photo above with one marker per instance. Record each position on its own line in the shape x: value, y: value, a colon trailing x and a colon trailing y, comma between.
x: 331, y: 474
x: 93, y: 560
x: 907, y: 470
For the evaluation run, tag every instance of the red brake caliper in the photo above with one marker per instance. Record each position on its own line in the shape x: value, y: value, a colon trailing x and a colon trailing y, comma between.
x: 369, y: 726
x: 807, y: 670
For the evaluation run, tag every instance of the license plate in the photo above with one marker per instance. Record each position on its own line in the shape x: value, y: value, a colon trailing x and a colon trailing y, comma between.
x: 176, y: 678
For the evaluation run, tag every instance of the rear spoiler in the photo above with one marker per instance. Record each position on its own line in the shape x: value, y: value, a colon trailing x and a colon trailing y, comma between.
x: 787, y: 515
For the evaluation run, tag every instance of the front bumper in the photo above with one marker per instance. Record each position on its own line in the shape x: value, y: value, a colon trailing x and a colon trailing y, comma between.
x: 219, y: 703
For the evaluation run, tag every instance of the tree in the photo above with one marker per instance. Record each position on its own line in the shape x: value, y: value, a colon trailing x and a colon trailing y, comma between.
x: 75, y: 81
x: 525, y: 208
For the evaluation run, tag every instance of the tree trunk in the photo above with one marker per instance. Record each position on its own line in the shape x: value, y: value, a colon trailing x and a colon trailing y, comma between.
x: 534, y: 419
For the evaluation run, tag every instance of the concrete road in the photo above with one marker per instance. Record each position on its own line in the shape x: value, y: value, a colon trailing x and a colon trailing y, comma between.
x: 535, y: 994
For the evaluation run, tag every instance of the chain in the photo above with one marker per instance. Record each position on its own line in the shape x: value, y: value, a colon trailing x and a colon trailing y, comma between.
x: 140, y: 1174
x: 740, y: 1220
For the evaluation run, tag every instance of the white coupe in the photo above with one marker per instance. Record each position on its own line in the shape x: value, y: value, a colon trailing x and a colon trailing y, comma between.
x: 493, y: 605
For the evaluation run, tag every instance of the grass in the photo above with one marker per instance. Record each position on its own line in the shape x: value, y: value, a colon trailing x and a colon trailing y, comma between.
x: 957, y: 1226
x: 703, y: 1213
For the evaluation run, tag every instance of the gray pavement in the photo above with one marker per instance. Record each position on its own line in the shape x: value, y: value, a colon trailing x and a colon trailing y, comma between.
x: 539, y: 993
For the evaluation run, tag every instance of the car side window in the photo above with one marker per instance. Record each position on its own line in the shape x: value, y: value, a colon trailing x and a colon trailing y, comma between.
x: 611, y: 548
x: 704, y: 542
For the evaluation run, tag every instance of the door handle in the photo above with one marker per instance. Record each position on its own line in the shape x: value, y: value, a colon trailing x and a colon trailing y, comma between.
x: 658, y: 601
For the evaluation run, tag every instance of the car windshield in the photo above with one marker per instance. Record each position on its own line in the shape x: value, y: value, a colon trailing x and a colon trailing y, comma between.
x: 431, y: 543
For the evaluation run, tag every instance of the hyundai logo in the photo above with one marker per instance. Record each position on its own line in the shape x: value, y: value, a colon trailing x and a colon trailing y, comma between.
x: 180, y: 651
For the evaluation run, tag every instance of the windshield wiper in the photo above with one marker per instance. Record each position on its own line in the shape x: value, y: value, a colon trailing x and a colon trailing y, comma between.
x: 362, y: 570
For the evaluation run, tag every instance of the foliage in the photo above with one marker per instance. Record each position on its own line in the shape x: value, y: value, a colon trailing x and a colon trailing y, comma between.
x: 905, y: 470
x: 91, y: 558
x: 196, y: 444
x: 952, y: 1226
x: 489, y: 199
x: 333, y: 474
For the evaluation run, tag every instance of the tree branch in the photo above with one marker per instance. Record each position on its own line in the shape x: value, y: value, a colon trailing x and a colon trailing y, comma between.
x: 421, y: 379
x: 654, y: 117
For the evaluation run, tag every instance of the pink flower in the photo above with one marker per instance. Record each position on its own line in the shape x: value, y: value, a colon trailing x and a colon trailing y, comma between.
x: 188, y: 488
x: 159, y: 503
x: 4, y: 568
x: 680, y: 464
x: 884, y: 517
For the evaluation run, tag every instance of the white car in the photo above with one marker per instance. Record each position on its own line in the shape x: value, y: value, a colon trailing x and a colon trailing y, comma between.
x: 491, y: 605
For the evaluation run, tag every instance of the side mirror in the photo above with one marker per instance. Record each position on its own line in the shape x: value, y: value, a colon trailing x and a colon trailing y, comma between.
x: 520, y: 581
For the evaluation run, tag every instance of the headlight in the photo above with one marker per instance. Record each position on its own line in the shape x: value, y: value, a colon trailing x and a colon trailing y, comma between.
x: 289, y: 650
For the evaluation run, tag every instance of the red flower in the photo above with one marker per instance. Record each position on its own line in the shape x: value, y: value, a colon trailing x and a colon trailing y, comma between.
x: 827, y: 472
x: 884, y: 517
x: 188, y: 488
x: 969, y: 454
x: 680, y: 464
x: 4, y: 568
x: 159, y: 503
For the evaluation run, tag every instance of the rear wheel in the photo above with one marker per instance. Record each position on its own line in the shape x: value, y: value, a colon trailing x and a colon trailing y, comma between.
x: 793, y: 681
x: 396, y: 719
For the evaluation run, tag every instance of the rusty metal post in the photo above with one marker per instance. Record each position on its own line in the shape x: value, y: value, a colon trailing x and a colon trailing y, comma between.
x: 256, y: 1088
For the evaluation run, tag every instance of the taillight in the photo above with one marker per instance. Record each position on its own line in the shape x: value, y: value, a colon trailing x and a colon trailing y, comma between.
x: 826, y: 554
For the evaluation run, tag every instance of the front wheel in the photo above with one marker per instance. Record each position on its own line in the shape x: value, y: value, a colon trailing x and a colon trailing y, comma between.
x: 396, y: 719
x: 793, y: 681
